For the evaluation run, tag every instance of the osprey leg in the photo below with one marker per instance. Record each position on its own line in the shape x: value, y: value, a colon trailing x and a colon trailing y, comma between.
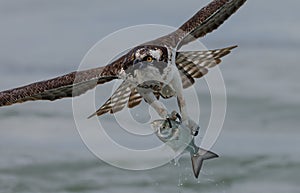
x: 176, y: 83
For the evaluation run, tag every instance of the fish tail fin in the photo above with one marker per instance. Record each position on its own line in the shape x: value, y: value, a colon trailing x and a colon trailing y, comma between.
x: 199, y: 157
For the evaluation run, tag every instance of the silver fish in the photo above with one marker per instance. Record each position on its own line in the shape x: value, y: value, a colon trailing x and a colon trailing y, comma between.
x: 179, y: 138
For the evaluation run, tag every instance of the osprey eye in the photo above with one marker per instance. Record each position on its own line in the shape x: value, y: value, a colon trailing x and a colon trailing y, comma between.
x: 149, y: 59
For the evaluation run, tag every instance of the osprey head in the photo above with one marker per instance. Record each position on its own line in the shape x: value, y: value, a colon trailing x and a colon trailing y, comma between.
x: 150, y: 54
x: 142, y: 56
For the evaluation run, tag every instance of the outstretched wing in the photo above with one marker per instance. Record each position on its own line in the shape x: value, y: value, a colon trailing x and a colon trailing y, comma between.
x: 204, y: 21
x: 195, y: 64
x: 70, y: 85
x: 208, y: 19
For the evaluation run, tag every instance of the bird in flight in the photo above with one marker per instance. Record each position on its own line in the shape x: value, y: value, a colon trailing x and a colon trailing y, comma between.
x: 149, y: 71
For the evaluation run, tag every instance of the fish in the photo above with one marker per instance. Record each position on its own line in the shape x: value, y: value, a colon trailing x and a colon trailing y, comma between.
x: 178, y: 137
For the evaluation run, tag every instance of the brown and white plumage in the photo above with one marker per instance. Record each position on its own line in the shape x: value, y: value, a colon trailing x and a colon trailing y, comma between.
x: 194, y: 64
x: 208, y: 19
x: 69, y: 85
x: 191, y: 65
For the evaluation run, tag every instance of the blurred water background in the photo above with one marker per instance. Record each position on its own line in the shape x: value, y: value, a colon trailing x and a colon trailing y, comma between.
x: 41, y: 150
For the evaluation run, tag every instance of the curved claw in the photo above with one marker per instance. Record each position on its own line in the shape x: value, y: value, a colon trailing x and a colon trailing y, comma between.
x: 169, y: 121
x: 195, y: 132
x: 175, y: 116
x: 193, y: 127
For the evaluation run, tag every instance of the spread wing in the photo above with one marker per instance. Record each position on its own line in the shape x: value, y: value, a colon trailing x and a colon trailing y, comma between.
x: 204, y: 21
x: 208, y: 19
x: 75, y: 84
x: 195, y: 64
x: 70, y: 85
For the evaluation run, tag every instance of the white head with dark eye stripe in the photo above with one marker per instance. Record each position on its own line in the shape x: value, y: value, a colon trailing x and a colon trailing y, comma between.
x: 150, y: 54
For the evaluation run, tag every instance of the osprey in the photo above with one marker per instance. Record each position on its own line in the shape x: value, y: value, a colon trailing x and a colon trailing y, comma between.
x: 149, y: 71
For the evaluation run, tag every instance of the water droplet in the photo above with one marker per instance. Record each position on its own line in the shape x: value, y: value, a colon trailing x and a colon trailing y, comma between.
x: 176, y: 161
x: 180, y: 184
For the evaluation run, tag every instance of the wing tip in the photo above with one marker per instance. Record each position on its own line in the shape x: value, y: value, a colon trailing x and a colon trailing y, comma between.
x: 232, y: 47
x: 92, y: 115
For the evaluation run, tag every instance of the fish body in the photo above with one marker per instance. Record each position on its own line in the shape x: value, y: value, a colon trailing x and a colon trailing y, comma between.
x: 174, y: 134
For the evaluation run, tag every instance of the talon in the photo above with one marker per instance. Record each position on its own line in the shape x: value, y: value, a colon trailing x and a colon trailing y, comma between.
x: 169, y: 121
x: 176, y: 116
x: 195, y: 132
x: 193, y: 127
x: 179, y: 117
